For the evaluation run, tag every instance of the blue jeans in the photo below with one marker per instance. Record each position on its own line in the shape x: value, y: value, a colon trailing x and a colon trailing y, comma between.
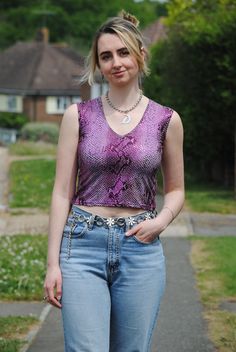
x: 112, y: 286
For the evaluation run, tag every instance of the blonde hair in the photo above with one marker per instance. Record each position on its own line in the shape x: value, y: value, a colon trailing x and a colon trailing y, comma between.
x: 125, y: 27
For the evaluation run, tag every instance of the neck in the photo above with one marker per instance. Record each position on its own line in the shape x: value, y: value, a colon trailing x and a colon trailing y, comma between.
x: 124, y: 96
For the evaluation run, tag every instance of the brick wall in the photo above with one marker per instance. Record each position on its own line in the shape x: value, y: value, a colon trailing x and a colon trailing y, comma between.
x: 35, y: 107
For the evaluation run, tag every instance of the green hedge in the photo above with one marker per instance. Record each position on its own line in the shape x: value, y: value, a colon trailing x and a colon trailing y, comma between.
x: 12, y: 120
x: 40, y: 131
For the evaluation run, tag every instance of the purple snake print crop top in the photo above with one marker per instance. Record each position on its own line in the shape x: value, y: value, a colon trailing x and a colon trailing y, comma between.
x: 119, y: 170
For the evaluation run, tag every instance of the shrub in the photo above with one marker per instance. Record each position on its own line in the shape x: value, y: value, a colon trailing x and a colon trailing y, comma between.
x: 12, y: 120
x: 40, y: 131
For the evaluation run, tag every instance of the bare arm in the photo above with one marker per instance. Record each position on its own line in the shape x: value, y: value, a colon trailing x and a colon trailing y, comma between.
x: 173, y: 176
x: 173, y: 171
x: 63, y: 191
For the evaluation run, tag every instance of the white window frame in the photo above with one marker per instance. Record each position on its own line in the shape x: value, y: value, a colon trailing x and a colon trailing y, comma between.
x: 58, y: 104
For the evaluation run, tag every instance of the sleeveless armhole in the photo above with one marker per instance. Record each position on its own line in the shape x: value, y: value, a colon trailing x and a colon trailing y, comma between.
x: 168, y: 114
x: 79, y: 111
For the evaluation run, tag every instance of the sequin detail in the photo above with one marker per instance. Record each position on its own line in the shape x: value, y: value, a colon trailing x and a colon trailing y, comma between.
x: 117, y: 170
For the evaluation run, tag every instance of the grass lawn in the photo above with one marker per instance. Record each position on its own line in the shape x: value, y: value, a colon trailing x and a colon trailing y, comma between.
x: 210, y: 199
x: 22, y: 267
x: 31, y: 183
x: 13, y: 330
x: 27, y: 148
x: 22, y: 271
x: 214, y: 261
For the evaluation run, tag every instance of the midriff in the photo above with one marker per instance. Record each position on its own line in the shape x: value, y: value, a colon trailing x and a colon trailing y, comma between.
x: 108, y: 212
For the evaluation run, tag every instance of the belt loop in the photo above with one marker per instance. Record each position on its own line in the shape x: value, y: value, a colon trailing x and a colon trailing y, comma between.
x: 90, y: 222
x: 127, y: 224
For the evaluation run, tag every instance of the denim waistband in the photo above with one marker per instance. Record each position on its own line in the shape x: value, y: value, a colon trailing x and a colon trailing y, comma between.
x: 81, y: 216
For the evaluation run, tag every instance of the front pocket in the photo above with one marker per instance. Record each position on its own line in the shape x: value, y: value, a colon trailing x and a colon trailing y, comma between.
x: 75, y: 229
x: 145, y: 243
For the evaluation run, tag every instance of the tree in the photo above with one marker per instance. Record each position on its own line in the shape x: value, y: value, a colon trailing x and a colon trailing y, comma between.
x: 71, y: 21
x: 194, y: 71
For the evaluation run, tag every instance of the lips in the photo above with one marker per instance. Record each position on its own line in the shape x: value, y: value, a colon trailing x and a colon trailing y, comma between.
x: 118, y: 73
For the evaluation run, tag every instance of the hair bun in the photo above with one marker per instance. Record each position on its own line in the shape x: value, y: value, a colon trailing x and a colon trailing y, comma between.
x: 128, y: 17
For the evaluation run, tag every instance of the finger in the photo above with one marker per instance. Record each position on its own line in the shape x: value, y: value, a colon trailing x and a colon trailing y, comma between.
x: 55, y: 302
x: 133, y: 231
x: 52, y: 299
x: 144, y: 237
x: 58, y: 290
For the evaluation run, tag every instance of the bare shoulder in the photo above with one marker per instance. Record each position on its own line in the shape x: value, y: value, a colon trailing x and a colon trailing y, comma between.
x: 175, y: 128
x: 175, y: 123
x: 70, y: 120
x: 175, y: 119
x: 71, y: 114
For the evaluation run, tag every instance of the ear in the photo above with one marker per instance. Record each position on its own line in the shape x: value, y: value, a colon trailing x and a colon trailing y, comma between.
x: 143, y: 52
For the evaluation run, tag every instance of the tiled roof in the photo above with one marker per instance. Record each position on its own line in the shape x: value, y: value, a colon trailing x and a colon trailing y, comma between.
x: 39, y: 68
x: 155, y: 32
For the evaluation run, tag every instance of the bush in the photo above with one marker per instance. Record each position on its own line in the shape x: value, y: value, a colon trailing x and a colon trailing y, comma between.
x: 40, y: 131
x: 12, y: 120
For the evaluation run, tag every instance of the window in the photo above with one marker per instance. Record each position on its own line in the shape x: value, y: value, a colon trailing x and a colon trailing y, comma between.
x: 62, y: 103
x: 12, y: 103
x: 58, y: 105
x: 98, y: 89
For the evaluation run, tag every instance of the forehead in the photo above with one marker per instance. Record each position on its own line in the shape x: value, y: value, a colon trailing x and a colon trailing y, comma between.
x: 109, y: 42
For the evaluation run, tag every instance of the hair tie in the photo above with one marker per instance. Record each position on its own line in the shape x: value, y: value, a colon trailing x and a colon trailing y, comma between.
x: 130, y: 18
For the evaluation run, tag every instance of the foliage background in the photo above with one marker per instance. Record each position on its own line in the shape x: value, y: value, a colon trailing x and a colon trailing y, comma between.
x: 70, y: 21
x: 194, y: 71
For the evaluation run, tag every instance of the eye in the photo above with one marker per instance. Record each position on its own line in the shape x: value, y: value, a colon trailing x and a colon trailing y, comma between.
x: 105, y: 57
x: 124, y: 52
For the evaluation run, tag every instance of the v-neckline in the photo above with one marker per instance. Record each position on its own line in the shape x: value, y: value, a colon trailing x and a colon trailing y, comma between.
x: 113, y: 131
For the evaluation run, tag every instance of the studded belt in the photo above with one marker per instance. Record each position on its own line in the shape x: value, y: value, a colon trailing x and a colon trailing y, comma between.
x: 112, y: 221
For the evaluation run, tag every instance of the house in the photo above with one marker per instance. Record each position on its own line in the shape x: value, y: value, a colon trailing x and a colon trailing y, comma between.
x: 155, y: 32
x: 40, y: 79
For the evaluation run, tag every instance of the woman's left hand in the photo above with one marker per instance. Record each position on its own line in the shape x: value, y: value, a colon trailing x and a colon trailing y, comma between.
x: 146, y: 231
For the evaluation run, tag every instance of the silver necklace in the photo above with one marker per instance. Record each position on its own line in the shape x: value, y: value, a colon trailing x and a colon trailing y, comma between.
x: 126, y: 118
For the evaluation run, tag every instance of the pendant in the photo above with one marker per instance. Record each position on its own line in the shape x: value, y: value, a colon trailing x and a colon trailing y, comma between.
x: 126, y: 119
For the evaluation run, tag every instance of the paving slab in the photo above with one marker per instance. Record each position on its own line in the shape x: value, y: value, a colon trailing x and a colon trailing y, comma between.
x: 24, y: 224
x: 213, y: 224
x: 50, y: 337
x: 21, y: 308
x: 181, y: 326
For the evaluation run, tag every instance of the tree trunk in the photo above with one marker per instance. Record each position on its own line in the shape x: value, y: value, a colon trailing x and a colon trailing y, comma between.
x: 235, y: 161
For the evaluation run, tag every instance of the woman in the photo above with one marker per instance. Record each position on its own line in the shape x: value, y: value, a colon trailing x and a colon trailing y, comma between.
x: 106, y: 267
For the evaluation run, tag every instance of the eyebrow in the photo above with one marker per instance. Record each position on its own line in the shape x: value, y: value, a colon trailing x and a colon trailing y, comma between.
x: 108, y: 52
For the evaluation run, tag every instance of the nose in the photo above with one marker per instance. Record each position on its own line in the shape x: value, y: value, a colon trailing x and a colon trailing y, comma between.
x: 116, y: 61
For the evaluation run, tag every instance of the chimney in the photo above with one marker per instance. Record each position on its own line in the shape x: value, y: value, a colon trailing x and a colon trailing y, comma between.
x: 42, y: 35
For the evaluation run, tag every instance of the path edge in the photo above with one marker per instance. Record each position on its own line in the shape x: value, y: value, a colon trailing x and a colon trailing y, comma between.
x: 34, y: 331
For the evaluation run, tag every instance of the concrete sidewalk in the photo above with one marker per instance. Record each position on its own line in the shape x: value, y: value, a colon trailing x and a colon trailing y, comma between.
x: 181, y: 327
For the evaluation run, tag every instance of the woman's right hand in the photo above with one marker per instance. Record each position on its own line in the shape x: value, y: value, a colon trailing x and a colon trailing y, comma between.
x: 53, y: 286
